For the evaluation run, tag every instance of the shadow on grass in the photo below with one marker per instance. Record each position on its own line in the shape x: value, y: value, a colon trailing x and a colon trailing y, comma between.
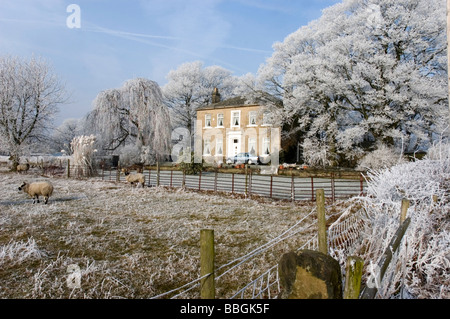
x: 50, y: 201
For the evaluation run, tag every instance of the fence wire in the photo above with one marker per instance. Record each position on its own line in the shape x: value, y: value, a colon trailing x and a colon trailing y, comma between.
x: 225, y: 269
x: 345, y: 232
x: 342, y: 235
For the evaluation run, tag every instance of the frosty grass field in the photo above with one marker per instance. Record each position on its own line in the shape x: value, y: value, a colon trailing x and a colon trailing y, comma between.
x: 130, y: 243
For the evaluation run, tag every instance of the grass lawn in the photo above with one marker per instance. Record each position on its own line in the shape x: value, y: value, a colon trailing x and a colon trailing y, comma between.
x: 130, y: 242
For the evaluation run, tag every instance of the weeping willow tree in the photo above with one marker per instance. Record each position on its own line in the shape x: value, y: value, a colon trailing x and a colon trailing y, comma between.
x: 133, y: 115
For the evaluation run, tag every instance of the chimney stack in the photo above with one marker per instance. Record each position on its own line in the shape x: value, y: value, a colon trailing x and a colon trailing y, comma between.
x: 215, y: 96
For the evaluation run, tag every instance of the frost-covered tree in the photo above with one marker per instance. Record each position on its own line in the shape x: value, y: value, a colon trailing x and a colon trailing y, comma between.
x: 64, y: 134
x: 366, y: 73
x: 133, y: 114
x: 191, y: 86
x: 29, y: 97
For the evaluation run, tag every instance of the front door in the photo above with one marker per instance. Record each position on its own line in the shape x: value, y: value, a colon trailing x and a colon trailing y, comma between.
x: 234, y: 144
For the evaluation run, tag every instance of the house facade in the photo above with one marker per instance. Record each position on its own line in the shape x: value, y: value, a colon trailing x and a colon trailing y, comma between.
x: 231, y: 127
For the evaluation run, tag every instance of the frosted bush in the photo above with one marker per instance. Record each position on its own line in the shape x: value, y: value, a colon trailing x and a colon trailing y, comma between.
x: 439, y: 152
x: 316, y: 153
x: 129, y: 155
x: 382, y: 157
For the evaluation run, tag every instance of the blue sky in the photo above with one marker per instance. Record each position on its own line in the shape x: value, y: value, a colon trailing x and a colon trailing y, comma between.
x: 120, y: 40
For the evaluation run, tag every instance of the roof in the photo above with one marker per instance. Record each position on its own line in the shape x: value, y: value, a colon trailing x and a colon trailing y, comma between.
x: 229, y: 103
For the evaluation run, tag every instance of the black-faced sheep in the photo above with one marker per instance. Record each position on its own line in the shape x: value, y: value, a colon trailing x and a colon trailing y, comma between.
x: 135, y: 178
x: 37, y: 189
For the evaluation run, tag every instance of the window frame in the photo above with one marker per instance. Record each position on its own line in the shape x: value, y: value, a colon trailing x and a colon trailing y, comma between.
x: 252, y: 115
x: 252, y: 141
x: 264, y: 119
x: 206, y: 120
x: 206, y: 143
x: 238, y: 112
x: 219, y: 146
x: 266, y: 145
x: 221, y: 119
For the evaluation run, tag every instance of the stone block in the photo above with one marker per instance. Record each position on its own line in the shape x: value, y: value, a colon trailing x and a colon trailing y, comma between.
x: 310, y: 275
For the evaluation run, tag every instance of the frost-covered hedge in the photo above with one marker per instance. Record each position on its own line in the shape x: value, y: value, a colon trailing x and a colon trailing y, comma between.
x: 422, y: 267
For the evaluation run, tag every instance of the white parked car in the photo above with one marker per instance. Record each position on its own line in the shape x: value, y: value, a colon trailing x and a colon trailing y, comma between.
x: 243, y: 158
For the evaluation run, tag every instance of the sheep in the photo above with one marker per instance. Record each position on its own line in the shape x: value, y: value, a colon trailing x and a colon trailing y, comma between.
x: 134, y: 178
x: 37, y: 189
x: 23, y: 167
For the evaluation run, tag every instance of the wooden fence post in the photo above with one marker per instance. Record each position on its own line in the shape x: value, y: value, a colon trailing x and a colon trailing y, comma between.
x: 361, y: 184
x: 158, y: 171
x: 321, y: 220
x: 435, y: 200
x: 232, y: 183
x: 246, y: 179
x: 250, y: 181
x: 333, y: 189
x: 353, y: 270
x: 292, y: 188
x: 370, y: 291
x: 215, y: 180
x: 271, y: 185
x: 68, y: 168
x: 207, y: 284
x: 404, y: 210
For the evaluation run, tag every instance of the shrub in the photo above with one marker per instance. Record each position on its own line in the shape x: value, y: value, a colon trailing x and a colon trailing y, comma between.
x: 421, y: 268
x: 190, y: 168
x: 382, y: 157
